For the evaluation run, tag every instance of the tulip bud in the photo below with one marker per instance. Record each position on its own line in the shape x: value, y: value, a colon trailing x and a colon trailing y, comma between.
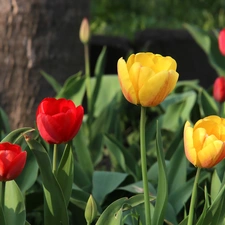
x: 84, y: 31
x: 90, y: 210
x: 221, y: 41
x: 219, y: 89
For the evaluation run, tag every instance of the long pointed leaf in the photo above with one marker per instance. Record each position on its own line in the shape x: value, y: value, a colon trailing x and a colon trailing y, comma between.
x: 65, y: 173
x: 162, y: 192
x: 14, y: 209
x: 55, y: 206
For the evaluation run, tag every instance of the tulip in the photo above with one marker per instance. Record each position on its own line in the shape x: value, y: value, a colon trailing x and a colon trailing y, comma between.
x: 146, y: 78
x: 58, y: 120
x: 12, y: 161
x: 221, y: 41
x: 219, y: 89
x: 204, y: 143
x: 84, y: 31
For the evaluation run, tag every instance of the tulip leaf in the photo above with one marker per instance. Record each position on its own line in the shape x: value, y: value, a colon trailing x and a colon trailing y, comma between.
x: 73, y: 88
x: 64, y: 172
x: 29, y: 174
x: 99, y: 70
x: 2, y: 217
x: 121, y: 156
x: 162, y: 191
x: 110, y: 215
x: 83, y: 154
x: 52, y: 81
x: 207, y: 104
x: 105, y: 182
x: 55, y: 210
x: 4, y: 121
x: 14, y: 209
x: 215, y: 185
x: 15, y: 135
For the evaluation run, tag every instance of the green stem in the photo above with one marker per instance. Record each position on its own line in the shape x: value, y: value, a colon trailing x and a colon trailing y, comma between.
x: 2, y: 195
x: 193, y: 198
x: 88, y: 78
x: 54, y: 163
x: 144, y: 166
x: 220, y: 109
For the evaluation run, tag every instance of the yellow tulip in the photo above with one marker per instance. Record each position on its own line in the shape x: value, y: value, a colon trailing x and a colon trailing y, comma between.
x: 204, y: 143
x: 146, y: 78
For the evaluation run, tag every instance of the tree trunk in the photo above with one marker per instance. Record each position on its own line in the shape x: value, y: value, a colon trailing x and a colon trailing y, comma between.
x: 37, y: 35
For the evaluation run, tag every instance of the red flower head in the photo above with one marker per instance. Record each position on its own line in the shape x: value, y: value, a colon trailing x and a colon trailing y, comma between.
x: 219, y: 89
x: 12, y: 161
x: 221, y: 41
x: 58, y: 121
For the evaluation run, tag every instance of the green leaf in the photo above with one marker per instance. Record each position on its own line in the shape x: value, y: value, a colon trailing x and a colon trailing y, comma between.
x: 105, y: 182
x: 29, y: 174
x: 207, y: 104
x: 14, y: 209
x: 121, y: 155
x: 15, y: 135
x: 99, y: 71
x: 177, y: 109
x: 162, y: 191
x: 4, y: 121
x: 79, y: 197
x: 73, y: 88
x: 177, y: 168
x: 64, y: 173
x: 112, y: 214
x: 215, y: 185
x: 2, y: 217
x: 83, y: 154
x: 55, y: 210
x: 215, y: 214
x: 53, y: 82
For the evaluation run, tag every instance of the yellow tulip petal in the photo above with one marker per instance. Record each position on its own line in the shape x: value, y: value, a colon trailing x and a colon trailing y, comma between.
x: 130, y: 61
x: 208, y: 156
x: 155, y: 90
x: 165, y: 63
x: 134, y: 74
x: 144, y: 59
x: 125, y: 82
x: 199, y: 136
x: 190, y: 151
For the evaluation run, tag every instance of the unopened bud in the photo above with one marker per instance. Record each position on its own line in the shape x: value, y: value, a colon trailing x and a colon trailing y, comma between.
x: 219, y: 89
x: 91, y: 210
x: 84, y: 31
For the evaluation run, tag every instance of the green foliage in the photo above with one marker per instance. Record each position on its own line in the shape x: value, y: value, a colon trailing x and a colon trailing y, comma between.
x: 129, y: 16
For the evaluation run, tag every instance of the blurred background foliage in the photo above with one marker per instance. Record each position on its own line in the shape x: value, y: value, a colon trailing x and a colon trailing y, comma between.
x: 125, y: 18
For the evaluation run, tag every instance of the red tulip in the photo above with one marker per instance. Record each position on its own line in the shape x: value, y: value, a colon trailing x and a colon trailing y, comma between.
x: 12, y: 161
x: 221, y: 41
x: 219, y: 89
x: 58, y: 121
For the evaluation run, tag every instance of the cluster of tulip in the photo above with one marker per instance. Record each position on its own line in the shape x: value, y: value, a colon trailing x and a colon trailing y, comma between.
x: 146, y: 79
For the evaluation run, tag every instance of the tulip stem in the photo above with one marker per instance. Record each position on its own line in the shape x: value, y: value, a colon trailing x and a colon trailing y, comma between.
x: 193, y: 198
x: 144, y: 166
x: 2, y: 195
x: 55, y: 155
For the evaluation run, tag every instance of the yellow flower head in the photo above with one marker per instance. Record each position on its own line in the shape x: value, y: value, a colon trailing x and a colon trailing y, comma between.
x: 204, y: 143
x: 147, y: 78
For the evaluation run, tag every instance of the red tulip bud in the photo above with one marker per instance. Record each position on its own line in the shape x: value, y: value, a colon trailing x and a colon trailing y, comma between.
x: 219, y: 89
x: 221, y: 41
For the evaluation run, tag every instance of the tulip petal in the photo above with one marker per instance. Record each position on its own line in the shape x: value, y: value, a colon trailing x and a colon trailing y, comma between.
x: 130, y: 61
x: 190, y: 151
x: 144, y: 59
x: 199, y: 136
x: 16, y: 166
x: 125, y: 82
x: 209, y: 155
x: 155, y: 90
x: 165, y: 63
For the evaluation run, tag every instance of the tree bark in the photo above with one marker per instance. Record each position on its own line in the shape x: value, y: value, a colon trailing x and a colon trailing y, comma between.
x: 37, y: 35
